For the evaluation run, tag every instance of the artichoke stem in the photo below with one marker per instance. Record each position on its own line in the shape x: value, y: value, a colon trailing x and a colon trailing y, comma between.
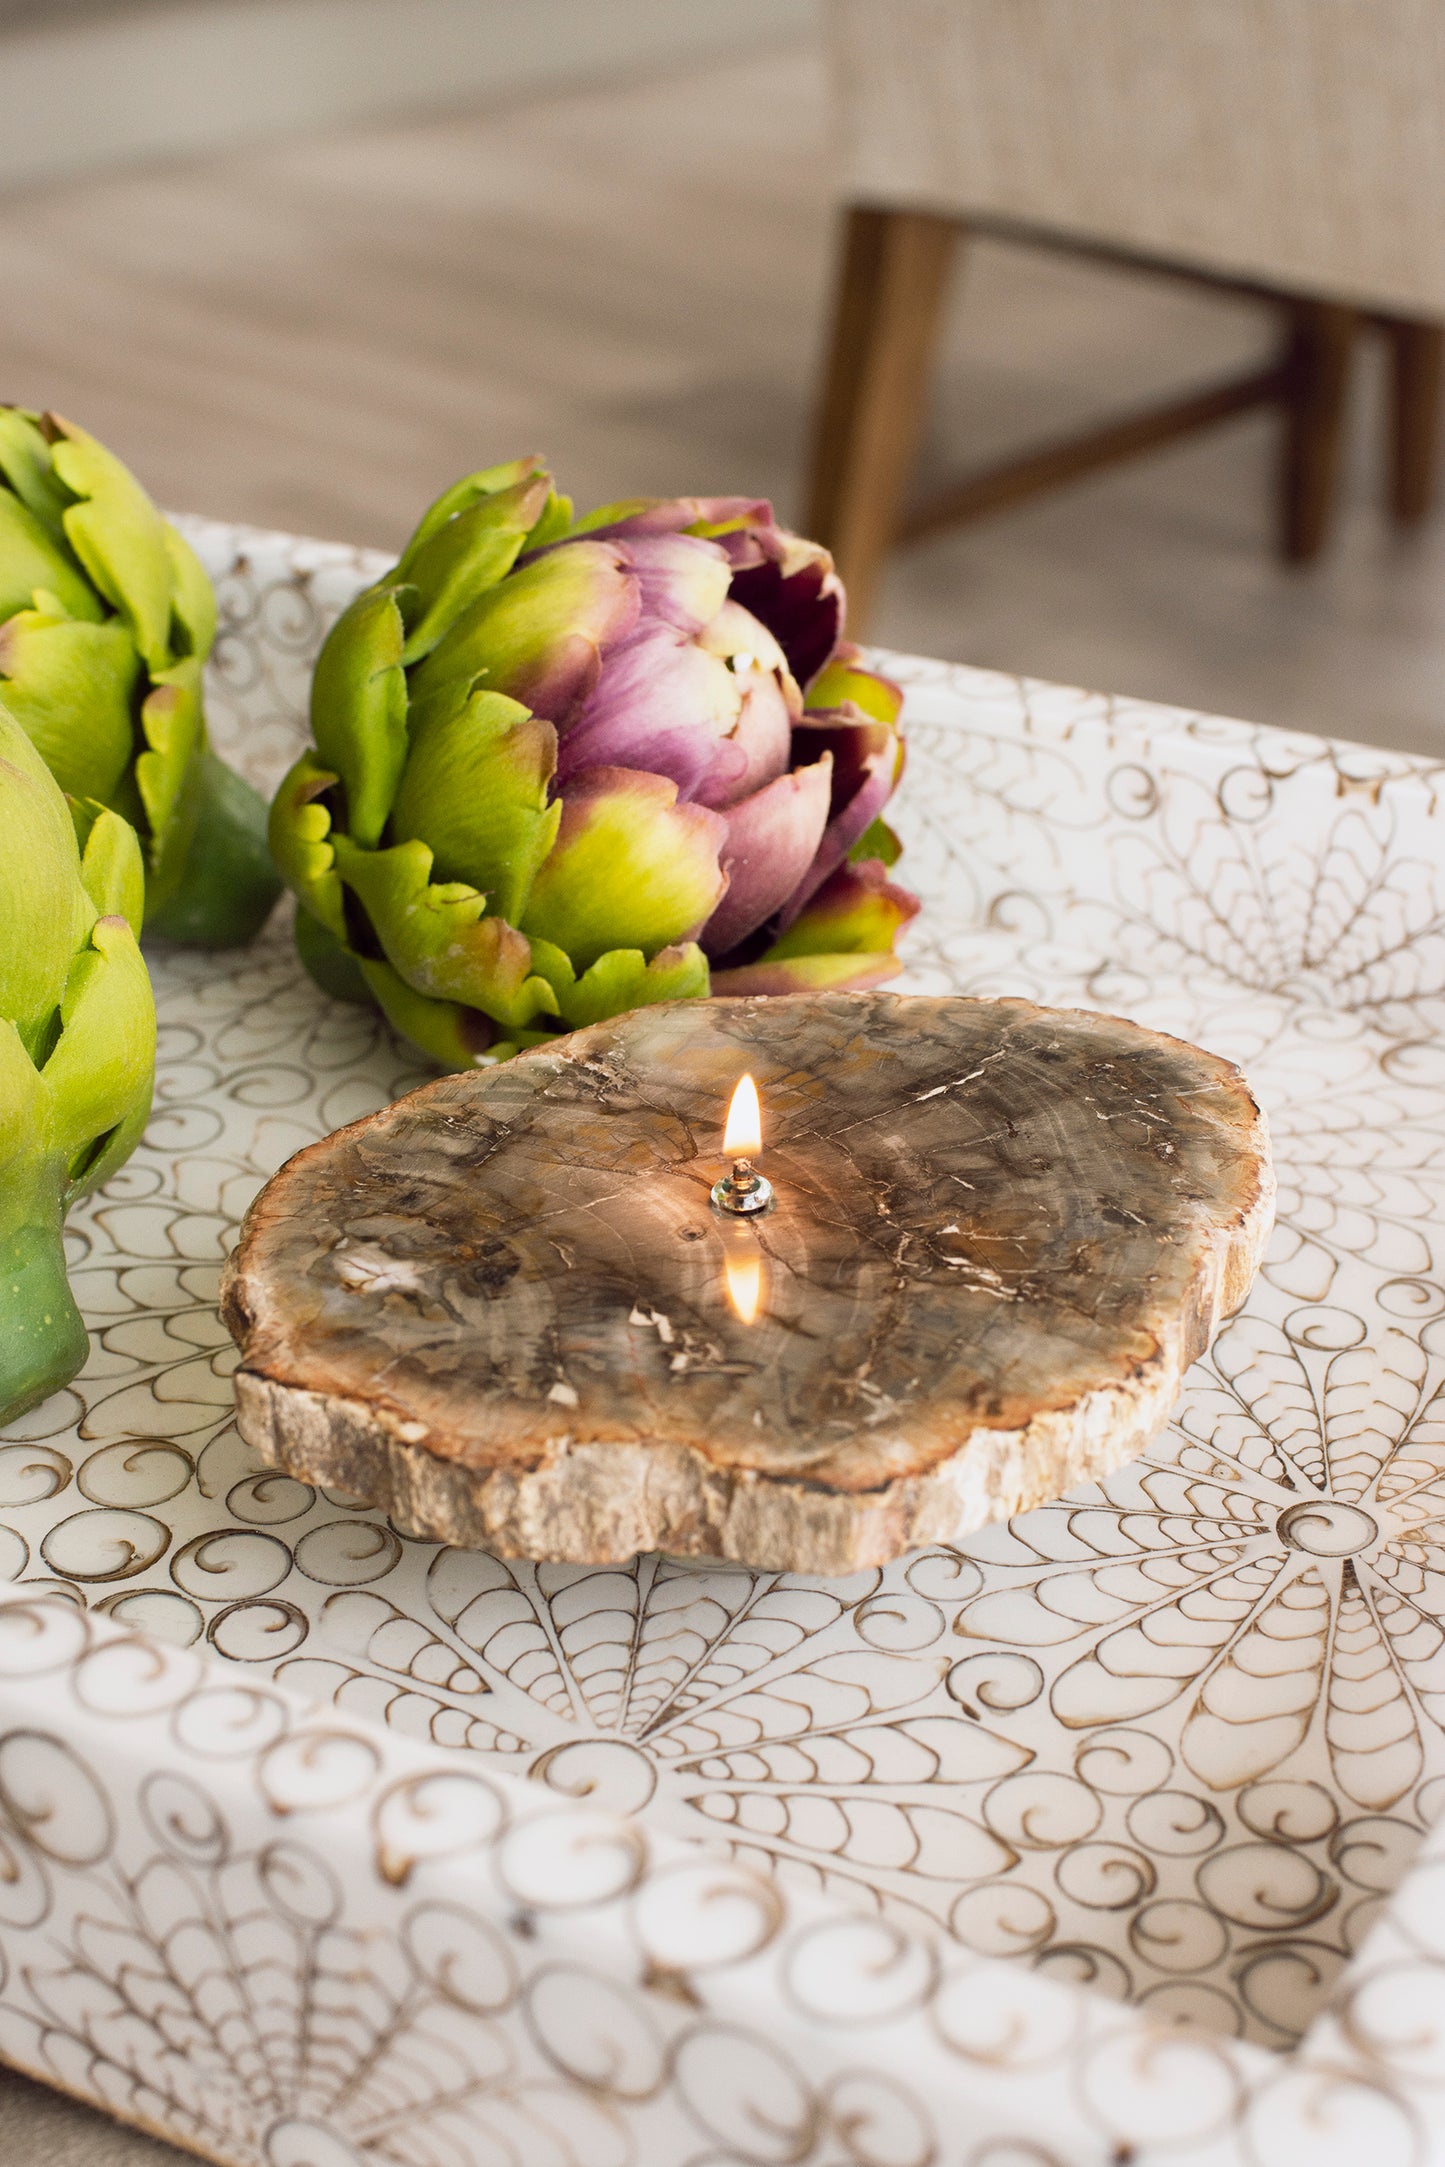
x: 229, y: 885
x: 43, y: 1341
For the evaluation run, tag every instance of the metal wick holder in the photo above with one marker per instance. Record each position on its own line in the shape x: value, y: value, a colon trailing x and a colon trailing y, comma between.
x: 743, y: 1193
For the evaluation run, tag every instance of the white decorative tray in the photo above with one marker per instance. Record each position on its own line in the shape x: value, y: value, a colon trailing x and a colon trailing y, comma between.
x: 1105, y: 1837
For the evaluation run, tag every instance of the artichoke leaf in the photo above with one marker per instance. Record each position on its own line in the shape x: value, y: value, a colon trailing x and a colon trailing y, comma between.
x: 453, y: 1035
x: 45, y: 914
x: 808, y: 974
x: 119, y: 537
x: 193, y: 599
x: 26, y: 464
x: 31, y: 560
x: 622, y: 979
x: 843, y: 678
x: 538, y: 636
x: 842, y: 941
x: 878, y: 841
x: 359, y: 708
x: 99, y: 1075
x: 92, y: 1167
x: 555, y: 522
x: 502, y: 1049
x: 299, y: 835
x: 610, y: 515
x: 24, y: 1126
x: 437, y: 938
x: 168, y: 775
x: 470, y: 553
x: 631, y: 868
x: 111, y: 865
x: 475, y: 792
x: 71, y: 687
x: 857, y: 911
x: 228, y: 886
x: 328, y: 963
x: 45, y: 1340
x: 470, y: 489
x: 77, y: 1051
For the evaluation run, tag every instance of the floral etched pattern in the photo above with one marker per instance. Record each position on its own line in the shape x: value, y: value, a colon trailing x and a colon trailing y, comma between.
x: 1174, y: 1740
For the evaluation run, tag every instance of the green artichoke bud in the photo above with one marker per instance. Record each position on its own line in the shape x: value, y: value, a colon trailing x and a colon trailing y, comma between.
x: 564, y: 768
x: 77, y: 1049
x: 106, y: 620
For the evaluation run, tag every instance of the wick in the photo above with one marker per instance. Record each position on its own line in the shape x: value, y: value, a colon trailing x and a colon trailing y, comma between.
x: 744, y: 1192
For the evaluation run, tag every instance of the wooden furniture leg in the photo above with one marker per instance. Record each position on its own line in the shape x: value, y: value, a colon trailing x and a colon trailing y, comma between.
x: 893, y: 274
x: 1417, y: 368
x: 1317, y: 367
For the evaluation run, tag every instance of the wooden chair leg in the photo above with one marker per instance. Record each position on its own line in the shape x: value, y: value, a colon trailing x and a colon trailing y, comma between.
x: 1417, y: 371
x: 1317, y: 370
x: 891, y: 285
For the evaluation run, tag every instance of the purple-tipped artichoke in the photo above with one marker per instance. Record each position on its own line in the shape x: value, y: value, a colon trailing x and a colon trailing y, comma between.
x: 563, y: 768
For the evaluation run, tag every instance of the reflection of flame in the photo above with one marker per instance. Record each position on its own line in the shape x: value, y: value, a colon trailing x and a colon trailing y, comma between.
x: 743, y: 1136
x: 744, y: 1270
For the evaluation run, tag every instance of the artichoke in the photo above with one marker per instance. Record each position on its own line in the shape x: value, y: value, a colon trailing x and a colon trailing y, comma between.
x: 77, y: 1049
x: 564, y: 768
x: 106, y: 620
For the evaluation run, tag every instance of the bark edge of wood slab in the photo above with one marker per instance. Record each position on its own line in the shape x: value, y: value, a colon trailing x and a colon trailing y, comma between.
x: 495, y: 1308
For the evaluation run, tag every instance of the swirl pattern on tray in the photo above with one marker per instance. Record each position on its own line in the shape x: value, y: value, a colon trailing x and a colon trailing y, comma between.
x: 286, y: 1942
x: 1175, y: 1738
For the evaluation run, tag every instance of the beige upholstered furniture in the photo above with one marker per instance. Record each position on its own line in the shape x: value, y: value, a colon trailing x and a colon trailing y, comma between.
x: 1294, y: 149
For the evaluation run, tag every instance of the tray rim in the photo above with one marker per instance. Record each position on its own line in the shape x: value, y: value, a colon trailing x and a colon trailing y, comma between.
x: 1375, y: 2062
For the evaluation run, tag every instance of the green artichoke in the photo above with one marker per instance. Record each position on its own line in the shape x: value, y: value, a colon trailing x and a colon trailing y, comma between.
x: 106, y: 620
x: 564, y: 768
x: 77, y: 1049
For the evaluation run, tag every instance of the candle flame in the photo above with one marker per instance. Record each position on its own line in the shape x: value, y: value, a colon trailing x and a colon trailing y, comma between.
x: 744, y: 1273
x: 743, y: 1136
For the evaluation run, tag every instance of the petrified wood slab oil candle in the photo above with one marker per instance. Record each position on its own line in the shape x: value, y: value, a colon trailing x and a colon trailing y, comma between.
x: 499, y: 1308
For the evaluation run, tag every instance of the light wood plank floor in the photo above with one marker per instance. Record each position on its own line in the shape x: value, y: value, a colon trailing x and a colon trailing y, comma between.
x: 321, y: 334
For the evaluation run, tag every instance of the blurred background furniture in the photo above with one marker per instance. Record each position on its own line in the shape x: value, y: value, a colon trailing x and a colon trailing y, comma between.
x: 1281, y: 149
x: 625, y: 264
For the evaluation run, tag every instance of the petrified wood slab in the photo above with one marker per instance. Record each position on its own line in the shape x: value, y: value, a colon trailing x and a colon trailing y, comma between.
x: 498, y: 1310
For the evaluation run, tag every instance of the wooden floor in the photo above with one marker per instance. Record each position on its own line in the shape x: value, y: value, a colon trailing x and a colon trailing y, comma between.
x: 322, y: 334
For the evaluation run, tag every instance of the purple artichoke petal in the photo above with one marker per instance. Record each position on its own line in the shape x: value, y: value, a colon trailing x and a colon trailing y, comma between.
x: 742, y: 547
x: 540, y: 634
x: 662, y: 704
x: 785, y: 581
x: 772, y: 837
x: 761, y: 739
x: 867, y: 762
x: 674, y: 515
x: 798, y: 596
x: 684, y: 581
x: 757, y: 750
x: 857, y: 744
x: 735, y: 634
